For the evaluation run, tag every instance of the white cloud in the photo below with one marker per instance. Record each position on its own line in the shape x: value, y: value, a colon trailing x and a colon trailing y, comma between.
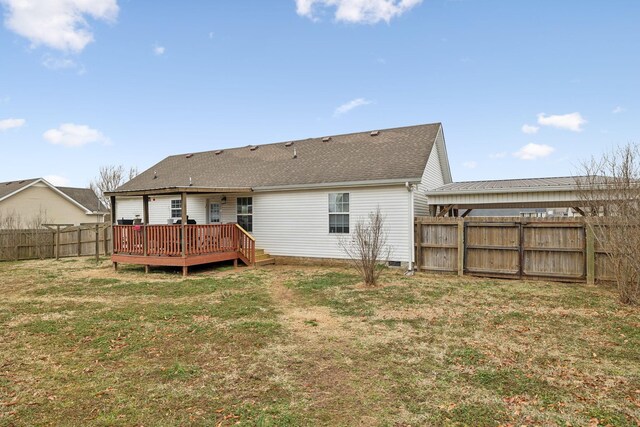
x: 354, y: 103
x: 534, y: 151
x: 572, y: 122
x: 158, y: 50
x: 619, y: 110
x: 72, y: 135
x: 357, y: 11
x: 58, y: 24
x: 57, y: 180
x: 11, y: 123
x: 529, y: 129
x: 500, y: 155
x: 470, y: 164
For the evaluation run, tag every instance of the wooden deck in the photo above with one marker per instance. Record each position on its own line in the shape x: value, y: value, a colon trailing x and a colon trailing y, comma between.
x: 181, y: 245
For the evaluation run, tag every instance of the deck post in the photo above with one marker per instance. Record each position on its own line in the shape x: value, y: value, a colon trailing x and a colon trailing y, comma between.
x: 145, y: 222
x: 113, y: 234
x: 185, y: 271
x: 183, y: 222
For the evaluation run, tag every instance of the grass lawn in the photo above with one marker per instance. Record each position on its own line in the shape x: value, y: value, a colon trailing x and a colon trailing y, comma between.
x: 83, y: 345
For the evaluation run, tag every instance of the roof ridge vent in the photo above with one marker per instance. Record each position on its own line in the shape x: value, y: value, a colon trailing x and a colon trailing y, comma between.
x: 217, y: 152
x: 375, y: 133
x: 288, y: 144
x: 253, y: 147
x: 326, y: 139
x: 190, y: 155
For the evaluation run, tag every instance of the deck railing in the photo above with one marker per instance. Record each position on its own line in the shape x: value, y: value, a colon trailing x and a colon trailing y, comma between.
x: 166, y: 240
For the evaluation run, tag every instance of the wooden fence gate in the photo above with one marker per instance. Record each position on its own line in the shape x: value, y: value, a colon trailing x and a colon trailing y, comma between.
x: 557, y: 249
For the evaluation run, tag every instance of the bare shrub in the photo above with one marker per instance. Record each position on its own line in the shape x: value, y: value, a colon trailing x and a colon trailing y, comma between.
x: 109, y: 178
x: 367, y: 248
x: 610, y: 194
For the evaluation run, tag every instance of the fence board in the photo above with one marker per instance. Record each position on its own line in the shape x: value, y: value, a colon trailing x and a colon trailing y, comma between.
x: 41, y: 243
x: 515, y: 247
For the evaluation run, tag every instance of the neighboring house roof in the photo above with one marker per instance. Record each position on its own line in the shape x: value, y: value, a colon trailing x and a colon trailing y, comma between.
x: 84, y: 198
x: 510, y: 185
x: 398, y: 154
x: 8, y: 188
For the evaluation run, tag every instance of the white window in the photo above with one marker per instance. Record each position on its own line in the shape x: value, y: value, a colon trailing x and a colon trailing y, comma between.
x: 214, y: 213
x: 176, y: 208
x: 245, y: 213
x: 339, y: 213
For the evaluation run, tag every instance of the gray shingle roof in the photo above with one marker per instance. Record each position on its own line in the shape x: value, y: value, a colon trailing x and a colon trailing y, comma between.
x: 9, y: 187
x: 86, y: 197
x: 507, y: 184
x: 399, y: 153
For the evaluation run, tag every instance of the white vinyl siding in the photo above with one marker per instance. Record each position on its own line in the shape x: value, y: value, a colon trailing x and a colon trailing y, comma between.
x: 433, y: 177
x: 128, y: 207
x: 160, y: 208
x: 296, y: 223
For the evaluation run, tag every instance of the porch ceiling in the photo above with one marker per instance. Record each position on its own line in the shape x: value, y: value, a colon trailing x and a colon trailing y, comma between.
x: 180, y: 190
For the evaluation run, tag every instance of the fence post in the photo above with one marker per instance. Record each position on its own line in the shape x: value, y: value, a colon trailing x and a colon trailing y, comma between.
x: 461, y: 248
x: 97, y: 243
x: 418, y: 242
x: 57, y: 242
x: 79, y: 241
x: 591, y: 256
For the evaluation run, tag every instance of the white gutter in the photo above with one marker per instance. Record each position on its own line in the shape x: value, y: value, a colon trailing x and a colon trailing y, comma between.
x: 410, y: 188
x: 370, y: 183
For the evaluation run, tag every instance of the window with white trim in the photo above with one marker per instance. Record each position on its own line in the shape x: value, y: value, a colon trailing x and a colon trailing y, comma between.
x: 244, y: 209
x: 338, y: 213
x: 176, y: 208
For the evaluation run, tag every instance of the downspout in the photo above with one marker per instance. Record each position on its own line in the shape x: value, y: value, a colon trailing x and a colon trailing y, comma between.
x: 410, y: 188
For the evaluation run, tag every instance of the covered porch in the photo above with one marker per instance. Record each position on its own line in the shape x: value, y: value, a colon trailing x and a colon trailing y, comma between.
x: 180, y: 243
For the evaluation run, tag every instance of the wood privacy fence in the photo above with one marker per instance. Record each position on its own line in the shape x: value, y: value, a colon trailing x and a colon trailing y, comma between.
x: 57, y: 241
x: 556, y: 249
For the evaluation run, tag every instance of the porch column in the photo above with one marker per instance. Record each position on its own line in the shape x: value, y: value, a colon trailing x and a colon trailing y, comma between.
x: 183, y: 198
x: 113, y: 234
x: 145, y: 222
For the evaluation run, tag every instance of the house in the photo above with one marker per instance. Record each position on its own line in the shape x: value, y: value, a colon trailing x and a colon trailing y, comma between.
x: 29, y: 202
x: 293, y: 198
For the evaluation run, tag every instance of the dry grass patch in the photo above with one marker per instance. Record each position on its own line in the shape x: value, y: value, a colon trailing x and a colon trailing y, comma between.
x: 285, y: 346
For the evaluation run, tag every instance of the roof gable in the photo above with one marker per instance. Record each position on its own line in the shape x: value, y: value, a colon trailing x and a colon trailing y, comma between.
x: 84, y: 198
x: 391, y: 154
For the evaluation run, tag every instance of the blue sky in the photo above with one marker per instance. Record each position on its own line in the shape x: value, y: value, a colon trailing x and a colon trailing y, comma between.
x: 523, y: 88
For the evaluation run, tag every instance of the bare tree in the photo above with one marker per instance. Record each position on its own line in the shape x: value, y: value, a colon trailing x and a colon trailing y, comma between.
x: 109, y: 178
x: 610, y: 194
x: 367, y: 248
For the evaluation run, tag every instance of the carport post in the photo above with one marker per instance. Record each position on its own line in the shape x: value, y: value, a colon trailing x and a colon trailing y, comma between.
x: 145, y: 221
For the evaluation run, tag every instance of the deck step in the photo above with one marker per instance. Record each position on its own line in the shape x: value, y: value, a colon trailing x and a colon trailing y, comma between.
x: 259, y: 252
x: 265, y: 261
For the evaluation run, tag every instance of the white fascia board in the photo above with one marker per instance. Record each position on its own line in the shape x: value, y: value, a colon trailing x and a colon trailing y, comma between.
x: 372, y: 183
